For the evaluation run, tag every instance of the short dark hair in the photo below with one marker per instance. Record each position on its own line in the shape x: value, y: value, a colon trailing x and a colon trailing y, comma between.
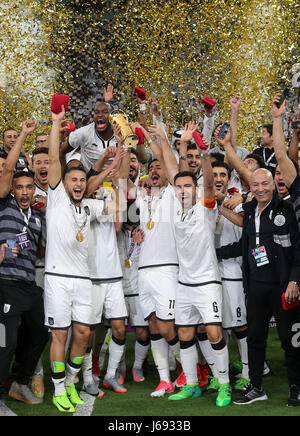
x: 150, y: 163
x: 221, y: 164
x: 134, y: 151
x: 218, y: 156
x: 258, y: 159
x: 3, y: 154
x: 192, y: 146
x: 186, y: 174
x: 8, y: 130
x: 70, y: 169
x: 42, y: 150
x: 19, y: 174
x: 269, y: 128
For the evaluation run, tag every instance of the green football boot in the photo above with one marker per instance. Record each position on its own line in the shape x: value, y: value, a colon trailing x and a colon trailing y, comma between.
x: 187, y: 391
x: 63, y: 403
x: 224, y: 397
x: 73, y: 395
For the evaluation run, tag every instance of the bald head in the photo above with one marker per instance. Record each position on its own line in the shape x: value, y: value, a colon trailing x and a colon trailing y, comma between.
x: 262, y: 172
x: 262, y: 186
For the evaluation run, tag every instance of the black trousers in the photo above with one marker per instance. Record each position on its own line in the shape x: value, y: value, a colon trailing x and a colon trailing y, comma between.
x: 21, y: 299
x: 264, y: 300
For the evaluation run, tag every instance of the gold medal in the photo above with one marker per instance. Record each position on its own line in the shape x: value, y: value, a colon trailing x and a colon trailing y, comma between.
x: 128, y: 263
x: 80, y: 237
x: 150, y: 225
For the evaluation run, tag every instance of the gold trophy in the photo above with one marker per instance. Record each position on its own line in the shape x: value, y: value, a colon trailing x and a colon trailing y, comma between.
x: 119, y: 117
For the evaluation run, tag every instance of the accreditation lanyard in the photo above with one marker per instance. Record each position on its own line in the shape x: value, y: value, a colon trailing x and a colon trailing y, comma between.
x: 23, y: 238
x: 259, y: 252
x: 152, y: 209
x: 130, y: 243
x: 268, y: 161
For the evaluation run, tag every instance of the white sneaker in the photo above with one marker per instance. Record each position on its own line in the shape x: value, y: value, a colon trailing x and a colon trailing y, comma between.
x: 162, y: 389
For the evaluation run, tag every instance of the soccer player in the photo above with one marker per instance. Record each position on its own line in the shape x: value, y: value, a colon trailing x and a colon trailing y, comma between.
x: 105, y: 267
x: 129, y: 254
x: 234, y: 306
x: 199, y: 291
x: 158, y: 270
x: 96, y: 137
x: 68, y: 289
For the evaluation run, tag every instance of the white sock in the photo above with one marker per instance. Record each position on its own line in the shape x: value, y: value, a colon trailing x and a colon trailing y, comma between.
x: 243, y: 349
x: 140, y: 354
x: 71, y: 372
x: 115, y: 355
x: 160, y: 352
x: 87, y: 367
x: 176, y: 351
x: 208, y: 353
x: 189, y: 360
x: 222, y: 361
x: 122, y: 364
x: 59, y: 386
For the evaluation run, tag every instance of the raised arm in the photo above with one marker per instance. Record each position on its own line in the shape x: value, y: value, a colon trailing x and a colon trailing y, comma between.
x: 185, y: 139
x: 233, y: 159
x: 208, y: 175
x: 294, y: 146
x: 28, y: 127
x: 287, y: 167
x: 164, y: 152
x: 54, y: 152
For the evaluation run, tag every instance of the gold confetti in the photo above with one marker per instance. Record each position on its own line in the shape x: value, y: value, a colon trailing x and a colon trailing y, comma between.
x: 180, y: 50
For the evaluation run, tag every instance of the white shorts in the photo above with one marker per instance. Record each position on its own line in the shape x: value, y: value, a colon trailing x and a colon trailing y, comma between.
x: 135, y: 312
x: 157, y: 286
x: 111, y: 296
x: 198, y: 305
x: 234, y: 306
x: 68, y: 300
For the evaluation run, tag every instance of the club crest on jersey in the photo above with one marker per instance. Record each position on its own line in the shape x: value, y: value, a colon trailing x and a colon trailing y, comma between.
x: 279, y: 220
x: 38, y: 222
x: 87, y: 210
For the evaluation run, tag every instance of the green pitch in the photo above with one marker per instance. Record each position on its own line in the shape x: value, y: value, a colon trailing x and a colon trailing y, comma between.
x: 137, y: 401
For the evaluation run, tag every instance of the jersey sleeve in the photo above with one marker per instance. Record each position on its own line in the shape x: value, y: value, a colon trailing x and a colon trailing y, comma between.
x: 56, y: 195
x: 76, y: 139
x: 96, y: 208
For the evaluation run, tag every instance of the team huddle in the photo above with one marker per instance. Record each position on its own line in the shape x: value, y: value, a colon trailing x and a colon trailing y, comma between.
x: 181, y: 253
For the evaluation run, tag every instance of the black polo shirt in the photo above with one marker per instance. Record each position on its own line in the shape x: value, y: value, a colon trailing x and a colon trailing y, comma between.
x: 266, y: 273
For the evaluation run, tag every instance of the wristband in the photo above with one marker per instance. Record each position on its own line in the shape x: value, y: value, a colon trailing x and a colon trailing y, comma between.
x: 183, y: 157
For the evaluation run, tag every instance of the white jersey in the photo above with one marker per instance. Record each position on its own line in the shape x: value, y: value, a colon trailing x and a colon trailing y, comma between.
x: 195, y: 241
x: 228, y: 233
x: 129, y: 249
x: 65, y: 256
x: 91, y: 144
x: 104, y: 260
x: 40, y: 263
x: 159, y: 247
